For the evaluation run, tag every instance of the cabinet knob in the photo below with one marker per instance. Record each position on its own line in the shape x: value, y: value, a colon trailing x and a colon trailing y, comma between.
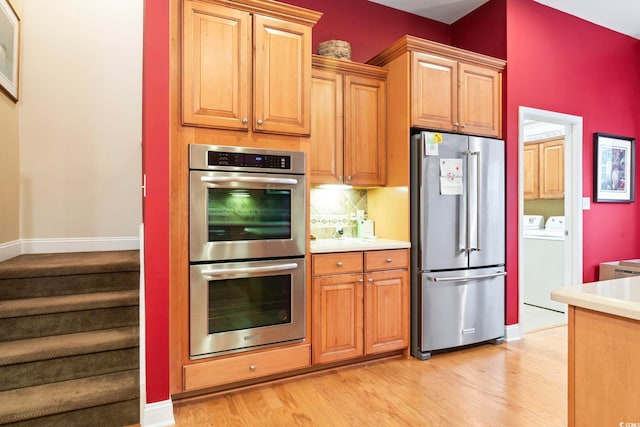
x: 339, y: 264
x: 370, y: 280
x: 463, y: 126
x: 252, y: 367
x: 349, y: 178
x: 245, y: 120
x: 388, y: 260
x: 361, y: 280
x: 456, y: 124
x: 260, y: 122
x: 340, y: 178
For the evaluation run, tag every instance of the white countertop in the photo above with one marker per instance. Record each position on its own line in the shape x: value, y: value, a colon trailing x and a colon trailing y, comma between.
x: 620, y: 297
x: 353, y: 244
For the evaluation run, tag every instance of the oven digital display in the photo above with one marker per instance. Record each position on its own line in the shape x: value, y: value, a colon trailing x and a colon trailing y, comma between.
x: 248, y: 160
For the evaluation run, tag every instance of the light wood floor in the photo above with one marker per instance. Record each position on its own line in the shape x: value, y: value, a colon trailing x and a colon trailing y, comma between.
x: 522, y: 383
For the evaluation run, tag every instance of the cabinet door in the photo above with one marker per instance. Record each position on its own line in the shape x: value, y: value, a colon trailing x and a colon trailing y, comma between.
x: 282, y: 76
x: 552, y: 170
x: 337, y: 317
x: 434, y: 88
x: 365, y: 137
x: 531, y: 172
x: 216, y: 62
x: 386, y: 311
x: 479, y: 100
x: 327, y: 116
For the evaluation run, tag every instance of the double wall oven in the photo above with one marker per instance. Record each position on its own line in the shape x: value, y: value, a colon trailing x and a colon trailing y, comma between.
x: 247, y: 238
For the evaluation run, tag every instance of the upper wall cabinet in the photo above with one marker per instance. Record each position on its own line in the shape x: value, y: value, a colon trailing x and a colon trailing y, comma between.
x: 544, y: 169
x: 450, y: 89
x: 348, y: 123
x: 247, y: 66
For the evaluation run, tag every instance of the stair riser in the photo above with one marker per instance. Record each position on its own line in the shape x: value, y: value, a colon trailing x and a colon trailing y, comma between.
x: 17, y: 328
x: 32, y: 287
x: 67, y: 368
x: 118, y: 414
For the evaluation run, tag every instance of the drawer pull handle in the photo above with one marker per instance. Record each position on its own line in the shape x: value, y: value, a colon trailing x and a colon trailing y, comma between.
x: 339, y: 264
x: 252, y: 368
x: 388, y: 259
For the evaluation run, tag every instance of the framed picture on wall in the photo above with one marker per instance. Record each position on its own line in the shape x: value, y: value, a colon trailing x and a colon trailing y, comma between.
x: 614, y: 168
x: 9, y: 49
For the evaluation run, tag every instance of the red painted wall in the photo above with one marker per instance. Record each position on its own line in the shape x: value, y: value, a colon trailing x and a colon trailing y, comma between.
x: 155, y: 158
x: 368, y: 27
x: 561, y: 63
x: 484, y: 30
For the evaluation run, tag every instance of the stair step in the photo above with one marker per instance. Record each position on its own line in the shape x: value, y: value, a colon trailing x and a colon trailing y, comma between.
x: 42, y: 275
x: 69, y: 263
x: 19, y: 328
x: 48, y: 399
x: 35, y: 349
x: 65, y: 303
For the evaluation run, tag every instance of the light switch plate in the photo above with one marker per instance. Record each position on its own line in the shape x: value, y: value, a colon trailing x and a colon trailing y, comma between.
x: 586, y: 203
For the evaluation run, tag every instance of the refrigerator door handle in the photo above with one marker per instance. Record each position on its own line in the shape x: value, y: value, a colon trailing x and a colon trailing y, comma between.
x: 466, y: 278
x: 473, y: 225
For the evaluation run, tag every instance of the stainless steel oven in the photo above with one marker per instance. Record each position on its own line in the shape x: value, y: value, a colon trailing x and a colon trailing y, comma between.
x: 247, y: 239
x: 245, y: 203
x: 241, y: 305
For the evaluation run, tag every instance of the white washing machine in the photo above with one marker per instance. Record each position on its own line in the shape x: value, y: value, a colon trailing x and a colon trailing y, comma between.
x: 543, y: 263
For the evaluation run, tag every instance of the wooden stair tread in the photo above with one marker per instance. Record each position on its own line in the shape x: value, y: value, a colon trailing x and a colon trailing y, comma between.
x: 61, y: 264
x: 66, y: 303
x: 51, y: 347
x: 47, y: 399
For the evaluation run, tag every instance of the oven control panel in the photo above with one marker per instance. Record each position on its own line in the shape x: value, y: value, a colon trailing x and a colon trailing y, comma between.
x: 250, y: 160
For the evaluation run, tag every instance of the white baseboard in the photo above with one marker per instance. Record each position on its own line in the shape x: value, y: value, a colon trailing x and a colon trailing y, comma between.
x: 158, y: 414
x: 10, y: 249
x: 79, y: 244
x: 512, y: 332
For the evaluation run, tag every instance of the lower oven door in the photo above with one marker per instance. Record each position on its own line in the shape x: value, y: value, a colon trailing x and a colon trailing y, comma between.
x: 240, y: 305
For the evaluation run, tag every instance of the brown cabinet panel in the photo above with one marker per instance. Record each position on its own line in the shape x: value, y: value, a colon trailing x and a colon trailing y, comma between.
x: 530, y: 166
x: 386, y: 260
x: 349, y: 134
x: 479, y: 100
x: 327, y: 118
x: 282, y: 77
x: 386, y: 311
x: 337, y: 263
x: 215, y: 87
x: 337, y: 317
x: 434, y: 88
x: 552, y: 170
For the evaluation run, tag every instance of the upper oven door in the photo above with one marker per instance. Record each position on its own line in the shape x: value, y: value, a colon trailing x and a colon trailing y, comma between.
x: 236, y: 215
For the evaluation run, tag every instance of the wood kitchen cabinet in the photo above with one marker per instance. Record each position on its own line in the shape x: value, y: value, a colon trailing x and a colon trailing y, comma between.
x: 544, y: 170
x: 360, y: 304
x: 244, y: 70
x: 348, y: 123
x: 453, y: 96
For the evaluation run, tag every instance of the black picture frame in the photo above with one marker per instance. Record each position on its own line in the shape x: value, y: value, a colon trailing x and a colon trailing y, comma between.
x: 614, y: 166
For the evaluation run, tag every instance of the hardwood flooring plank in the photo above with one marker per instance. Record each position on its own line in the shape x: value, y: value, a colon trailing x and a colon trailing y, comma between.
x: 523, y: 383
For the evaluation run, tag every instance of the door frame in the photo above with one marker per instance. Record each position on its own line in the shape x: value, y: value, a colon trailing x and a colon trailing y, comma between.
x: 573, y: 201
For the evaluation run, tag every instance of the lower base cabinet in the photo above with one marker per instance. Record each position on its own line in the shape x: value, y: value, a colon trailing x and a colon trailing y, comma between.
x: 360, y: 304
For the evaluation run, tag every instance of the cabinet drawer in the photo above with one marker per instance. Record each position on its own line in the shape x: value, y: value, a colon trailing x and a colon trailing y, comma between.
x: 245, y: 367
x: 337, y: 263
x: 386, y: 260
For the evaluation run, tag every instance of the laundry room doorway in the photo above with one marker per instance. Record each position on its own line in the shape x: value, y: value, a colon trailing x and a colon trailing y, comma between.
x: 550, y: 213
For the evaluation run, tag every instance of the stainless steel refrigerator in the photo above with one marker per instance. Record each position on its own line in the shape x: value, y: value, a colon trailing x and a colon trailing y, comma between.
x: 458, y: 241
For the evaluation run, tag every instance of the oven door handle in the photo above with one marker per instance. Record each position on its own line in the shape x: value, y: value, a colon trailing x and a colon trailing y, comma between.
x: 250, y: 270
x: 256, y: 180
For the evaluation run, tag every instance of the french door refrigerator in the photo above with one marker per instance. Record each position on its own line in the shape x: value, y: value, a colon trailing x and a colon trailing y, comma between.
x: 457, y: 240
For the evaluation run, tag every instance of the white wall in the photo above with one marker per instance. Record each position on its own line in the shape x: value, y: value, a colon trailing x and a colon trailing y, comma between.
x: 80, y: 119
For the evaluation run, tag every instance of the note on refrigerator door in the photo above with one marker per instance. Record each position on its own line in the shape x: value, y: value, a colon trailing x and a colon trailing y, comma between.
x: 431, y: 142
x: 450, y: 177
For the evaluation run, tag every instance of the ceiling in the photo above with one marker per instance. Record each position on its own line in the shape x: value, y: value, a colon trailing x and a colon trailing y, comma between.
x: 622, y: 16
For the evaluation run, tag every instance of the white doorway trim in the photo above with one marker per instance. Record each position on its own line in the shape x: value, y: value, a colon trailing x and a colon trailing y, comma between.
x: 573, y: 201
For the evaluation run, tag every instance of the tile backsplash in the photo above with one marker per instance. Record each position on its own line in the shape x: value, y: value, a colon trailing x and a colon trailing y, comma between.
x: 331, y: 209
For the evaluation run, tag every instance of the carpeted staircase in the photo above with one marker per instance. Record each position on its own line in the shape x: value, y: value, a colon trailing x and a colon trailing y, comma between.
x: 69, y: 339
